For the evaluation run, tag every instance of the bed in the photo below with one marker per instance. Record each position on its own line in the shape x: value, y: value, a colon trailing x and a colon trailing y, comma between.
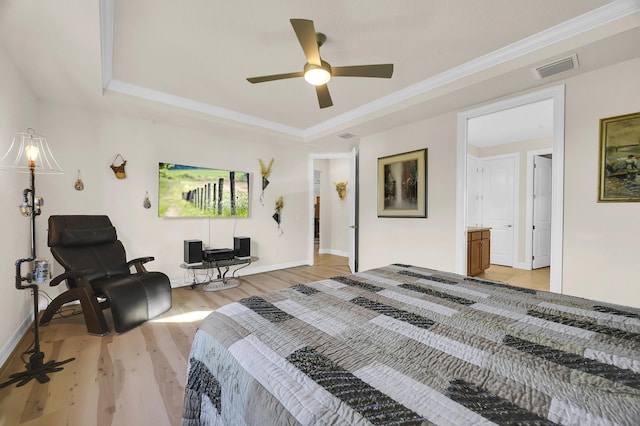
x: 403, y: 345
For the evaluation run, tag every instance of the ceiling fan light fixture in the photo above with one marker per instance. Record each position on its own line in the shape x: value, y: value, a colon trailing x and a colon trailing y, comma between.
x: 318, y: 72
x: 317, y: 75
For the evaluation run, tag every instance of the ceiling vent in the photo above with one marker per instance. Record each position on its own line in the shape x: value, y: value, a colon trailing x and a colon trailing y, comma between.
x: 556, y: 67
x: 346, y: 135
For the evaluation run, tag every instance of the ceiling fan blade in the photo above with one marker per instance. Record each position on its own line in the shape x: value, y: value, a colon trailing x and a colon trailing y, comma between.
x: 306, y: 33
x: 379, y: 70
x: 324, y: 98
x: 264, y: 78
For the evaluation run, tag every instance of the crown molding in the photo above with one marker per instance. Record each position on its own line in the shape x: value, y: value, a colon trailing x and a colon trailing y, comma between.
x: 613, y: 11
x: 196, y: 106
x: 107, y: 19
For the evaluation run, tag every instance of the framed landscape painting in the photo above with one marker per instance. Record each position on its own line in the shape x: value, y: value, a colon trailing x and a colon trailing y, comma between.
x: 620, y: 158
x: 193, y: 191
x: 402, y: 185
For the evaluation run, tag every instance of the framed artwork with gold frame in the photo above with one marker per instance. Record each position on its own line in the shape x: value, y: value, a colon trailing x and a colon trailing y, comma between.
x: 620, y: 158
x: 402, y: 185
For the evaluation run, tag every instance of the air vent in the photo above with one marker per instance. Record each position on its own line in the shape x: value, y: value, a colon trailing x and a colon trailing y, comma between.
x: 556, y: 67
x: 346, y: 135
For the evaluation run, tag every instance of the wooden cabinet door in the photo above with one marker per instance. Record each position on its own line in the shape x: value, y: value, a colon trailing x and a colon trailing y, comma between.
x: 485, y: 256
x: 475, y: 257
x: 478, y: 252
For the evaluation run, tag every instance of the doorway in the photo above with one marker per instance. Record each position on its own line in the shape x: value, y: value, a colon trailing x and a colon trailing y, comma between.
x: 333, y: 213
x: 539, y: 211
x: 556, y: 95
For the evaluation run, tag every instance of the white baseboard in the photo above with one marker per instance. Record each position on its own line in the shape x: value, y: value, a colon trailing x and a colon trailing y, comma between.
x: 12, y: 343
x: 334, y: 252
x: 522, y: 265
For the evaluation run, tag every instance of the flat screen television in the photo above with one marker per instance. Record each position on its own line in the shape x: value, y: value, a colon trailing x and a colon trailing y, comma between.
x: 191, y: 191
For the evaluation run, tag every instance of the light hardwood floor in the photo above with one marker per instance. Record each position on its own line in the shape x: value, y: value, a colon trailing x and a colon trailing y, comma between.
x: 136, y: 378
x: 536, y: 279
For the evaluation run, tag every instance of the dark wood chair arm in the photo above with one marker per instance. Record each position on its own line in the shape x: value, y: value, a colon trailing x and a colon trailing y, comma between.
x: 139, y: 262
x: 70, y: 274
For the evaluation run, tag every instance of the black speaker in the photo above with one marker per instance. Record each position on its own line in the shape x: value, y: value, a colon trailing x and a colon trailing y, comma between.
x: 192, y: 251
x: 242, y: 246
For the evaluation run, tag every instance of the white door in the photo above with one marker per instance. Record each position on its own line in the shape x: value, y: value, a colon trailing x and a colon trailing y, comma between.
x: 353, y: 211
x: 474, y: 185
x: 498, y: 185
x: 541, y: 212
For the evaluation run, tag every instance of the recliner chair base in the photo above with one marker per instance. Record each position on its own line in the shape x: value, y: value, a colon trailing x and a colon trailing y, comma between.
x: 91, y: 309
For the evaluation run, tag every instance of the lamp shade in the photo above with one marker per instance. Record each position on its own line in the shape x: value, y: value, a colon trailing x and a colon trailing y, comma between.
x: 28, y: 151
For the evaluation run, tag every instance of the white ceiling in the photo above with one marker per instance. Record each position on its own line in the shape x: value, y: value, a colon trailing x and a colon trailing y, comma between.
x: 188, y: 61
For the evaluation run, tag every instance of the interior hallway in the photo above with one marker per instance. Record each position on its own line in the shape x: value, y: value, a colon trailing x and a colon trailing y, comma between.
x: 536, y: 279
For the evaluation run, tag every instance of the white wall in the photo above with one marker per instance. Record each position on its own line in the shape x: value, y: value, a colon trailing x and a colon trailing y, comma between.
x: 430, y: 241
x: 599, y: 255
x: 90, y: 141
x: 601, y: 259
x: 18, y: 111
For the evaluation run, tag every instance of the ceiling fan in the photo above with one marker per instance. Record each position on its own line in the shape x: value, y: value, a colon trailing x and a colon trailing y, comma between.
x: 317, y: 71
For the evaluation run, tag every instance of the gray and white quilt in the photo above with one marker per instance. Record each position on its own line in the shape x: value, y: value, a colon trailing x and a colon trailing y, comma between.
x: 403, y: 345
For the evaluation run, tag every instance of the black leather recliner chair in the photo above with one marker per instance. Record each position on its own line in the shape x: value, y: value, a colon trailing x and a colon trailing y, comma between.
x: 96, y: 267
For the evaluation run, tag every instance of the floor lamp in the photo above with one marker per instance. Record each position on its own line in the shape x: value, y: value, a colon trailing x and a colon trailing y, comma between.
x: 29, y: 152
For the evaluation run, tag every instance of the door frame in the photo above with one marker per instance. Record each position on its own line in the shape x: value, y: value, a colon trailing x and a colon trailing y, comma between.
x: 350, y: 193
x: 478, y: 211
x: 557, y: 94
x: 528, y: 235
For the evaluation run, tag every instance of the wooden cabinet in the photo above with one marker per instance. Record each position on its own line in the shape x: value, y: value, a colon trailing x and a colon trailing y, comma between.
x: 478, y: 250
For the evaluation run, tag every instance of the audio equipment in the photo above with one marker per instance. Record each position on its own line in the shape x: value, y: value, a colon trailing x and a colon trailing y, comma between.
x: 242, y: 247
x: 212, y: 255
x: 192, y: 251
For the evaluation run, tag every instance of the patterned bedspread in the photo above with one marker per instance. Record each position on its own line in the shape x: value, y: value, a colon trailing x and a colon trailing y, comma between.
x: 405, y: 345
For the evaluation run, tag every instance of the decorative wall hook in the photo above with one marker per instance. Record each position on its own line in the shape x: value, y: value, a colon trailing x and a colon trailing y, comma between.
x: 146, y: 203
x: 265, y: 172
x: 119, y: 169
x: 277, y: 216
x: 79, y: 185
x: 341, y: 188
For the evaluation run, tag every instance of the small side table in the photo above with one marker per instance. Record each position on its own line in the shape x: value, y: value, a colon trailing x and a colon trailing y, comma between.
x: 207, y: 272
